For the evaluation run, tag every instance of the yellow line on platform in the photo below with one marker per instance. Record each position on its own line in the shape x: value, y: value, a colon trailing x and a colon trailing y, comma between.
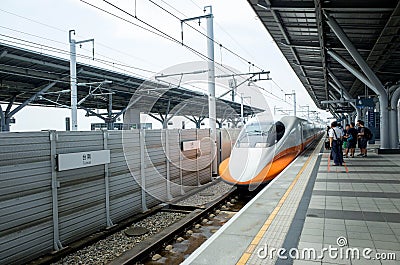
x: 250, y: 249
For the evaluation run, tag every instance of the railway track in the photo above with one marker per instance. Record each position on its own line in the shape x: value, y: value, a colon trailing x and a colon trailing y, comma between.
x: 169, y: 246
x: 175, y: 229
x: 105, y: 245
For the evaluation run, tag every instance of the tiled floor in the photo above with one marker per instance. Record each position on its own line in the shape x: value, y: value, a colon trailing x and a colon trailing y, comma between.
x: 362, y: 206
x: 353, y: 211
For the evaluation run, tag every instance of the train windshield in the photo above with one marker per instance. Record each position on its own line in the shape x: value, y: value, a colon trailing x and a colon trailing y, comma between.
x: 260, y: 134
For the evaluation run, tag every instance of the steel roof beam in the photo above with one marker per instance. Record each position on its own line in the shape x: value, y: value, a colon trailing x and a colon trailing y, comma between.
x: 377, y: 86
x: 284, y: 33
x: 350, y: 68
x: 306, y: 6
x: 32, y: 98
x: 340, y: 88
x: 321, y: 38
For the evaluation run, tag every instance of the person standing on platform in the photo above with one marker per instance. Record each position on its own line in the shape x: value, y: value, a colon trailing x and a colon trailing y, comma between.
x: 345, y: 140
x: 362, y: 139
x: 327, y: 144
x: 335, y: 140
x: 352, y: 139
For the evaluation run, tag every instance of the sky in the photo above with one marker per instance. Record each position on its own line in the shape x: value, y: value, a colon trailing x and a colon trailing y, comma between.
x: 236, y: 27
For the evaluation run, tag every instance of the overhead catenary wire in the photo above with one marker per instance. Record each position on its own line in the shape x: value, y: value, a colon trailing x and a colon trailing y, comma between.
x: 61, y: 30
x: 64, y: 31
x: 65, y: 52
x: 226, y: 32
x: 104, y: 61
x: 165, y: 35
x: 203, y: 34
x: 153, y: 28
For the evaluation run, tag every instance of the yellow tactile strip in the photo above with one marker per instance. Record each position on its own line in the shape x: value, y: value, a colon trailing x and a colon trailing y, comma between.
x: 254, y: 243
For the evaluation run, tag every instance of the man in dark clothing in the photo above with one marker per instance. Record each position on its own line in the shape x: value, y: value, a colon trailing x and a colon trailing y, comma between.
x: 362, y: 140
x: 351, y: 137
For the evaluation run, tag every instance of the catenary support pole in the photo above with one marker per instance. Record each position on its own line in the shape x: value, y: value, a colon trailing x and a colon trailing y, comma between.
x: 73, y: 80
x: 211, y: 86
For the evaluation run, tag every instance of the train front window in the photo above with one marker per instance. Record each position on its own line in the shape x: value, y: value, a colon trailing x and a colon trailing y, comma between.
x: 260, y: 134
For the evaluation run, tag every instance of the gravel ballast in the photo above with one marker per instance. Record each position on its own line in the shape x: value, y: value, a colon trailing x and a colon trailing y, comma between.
x: 207, y: 195
x: 114, y: 245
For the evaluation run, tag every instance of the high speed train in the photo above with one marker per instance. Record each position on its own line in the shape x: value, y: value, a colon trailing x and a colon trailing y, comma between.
x: 265, y: 147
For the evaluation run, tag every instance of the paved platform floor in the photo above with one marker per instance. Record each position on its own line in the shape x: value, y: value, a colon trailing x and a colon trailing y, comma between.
x: 350, y: 214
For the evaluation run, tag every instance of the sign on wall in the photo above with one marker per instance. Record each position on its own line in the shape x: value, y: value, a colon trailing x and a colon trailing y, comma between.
x: 190, y: 145
x: 82, y: 159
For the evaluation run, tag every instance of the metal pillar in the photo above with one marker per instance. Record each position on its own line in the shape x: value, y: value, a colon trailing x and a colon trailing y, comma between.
x: 109, y: 222
x: 2, y: 120
x: 167, y: 152
x: 55, y: 184
x: 377, y: 86
x: 211, y: 85
x: 293, y: 94
x: 74, y: 90
x: 241, y: 109
x: 142, y: 135
x: 394, y: 129
x: 294, y: 103
x: 110, y: 120
x: 73, y: 78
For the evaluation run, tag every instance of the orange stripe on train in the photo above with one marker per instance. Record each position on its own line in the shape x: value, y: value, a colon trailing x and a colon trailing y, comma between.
x: 270, y: 171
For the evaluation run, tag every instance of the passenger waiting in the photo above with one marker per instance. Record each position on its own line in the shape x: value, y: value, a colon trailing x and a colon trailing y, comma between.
x: 335, y: 140
x: 351, y: 137
x: 362, y: 139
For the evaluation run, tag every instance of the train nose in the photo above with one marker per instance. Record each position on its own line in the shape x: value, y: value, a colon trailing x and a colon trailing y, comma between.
x: 246, y: 164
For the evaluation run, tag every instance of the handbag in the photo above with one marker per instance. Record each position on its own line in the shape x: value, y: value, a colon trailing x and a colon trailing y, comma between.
x: 350, y: 137
x: 327, y: 145
x: 339, y: 141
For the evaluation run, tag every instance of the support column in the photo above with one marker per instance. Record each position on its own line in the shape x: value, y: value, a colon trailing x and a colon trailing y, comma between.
x: 132, y: 116
x: 168, y: 186
x: 73, y: 80
x: 109, y: 222
x: 142, y: 136
x: 376, y: 84
x: 110, y: 120
x: 180, y: 164
x: 394, y: 129
x: 55, y: 184
x: 211, y: 86
x: 2, y: 120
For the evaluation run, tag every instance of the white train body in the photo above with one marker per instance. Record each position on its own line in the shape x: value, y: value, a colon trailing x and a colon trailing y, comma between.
x: 265, y: 147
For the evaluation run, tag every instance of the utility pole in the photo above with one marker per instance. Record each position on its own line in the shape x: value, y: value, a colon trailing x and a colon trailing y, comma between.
x: 242, y: 107
x: 211, y: 78
x: 293, y: 94
x: 212, y: 116
x: 73, y: 79
x: 308, y: 111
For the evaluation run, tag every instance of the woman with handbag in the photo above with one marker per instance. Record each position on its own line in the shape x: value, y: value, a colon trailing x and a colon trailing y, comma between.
x: 335, y: 140
x: 327, y: 143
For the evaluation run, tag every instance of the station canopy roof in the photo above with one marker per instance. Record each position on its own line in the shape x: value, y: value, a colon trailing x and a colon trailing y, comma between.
x: 300, y: 30
x: 23, y: 73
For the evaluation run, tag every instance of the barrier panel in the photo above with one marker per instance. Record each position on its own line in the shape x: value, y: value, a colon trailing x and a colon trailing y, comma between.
x: 45, y: 209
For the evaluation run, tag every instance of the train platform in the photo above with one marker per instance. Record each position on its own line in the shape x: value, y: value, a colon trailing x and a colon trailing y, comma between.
x: 315, y: 213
